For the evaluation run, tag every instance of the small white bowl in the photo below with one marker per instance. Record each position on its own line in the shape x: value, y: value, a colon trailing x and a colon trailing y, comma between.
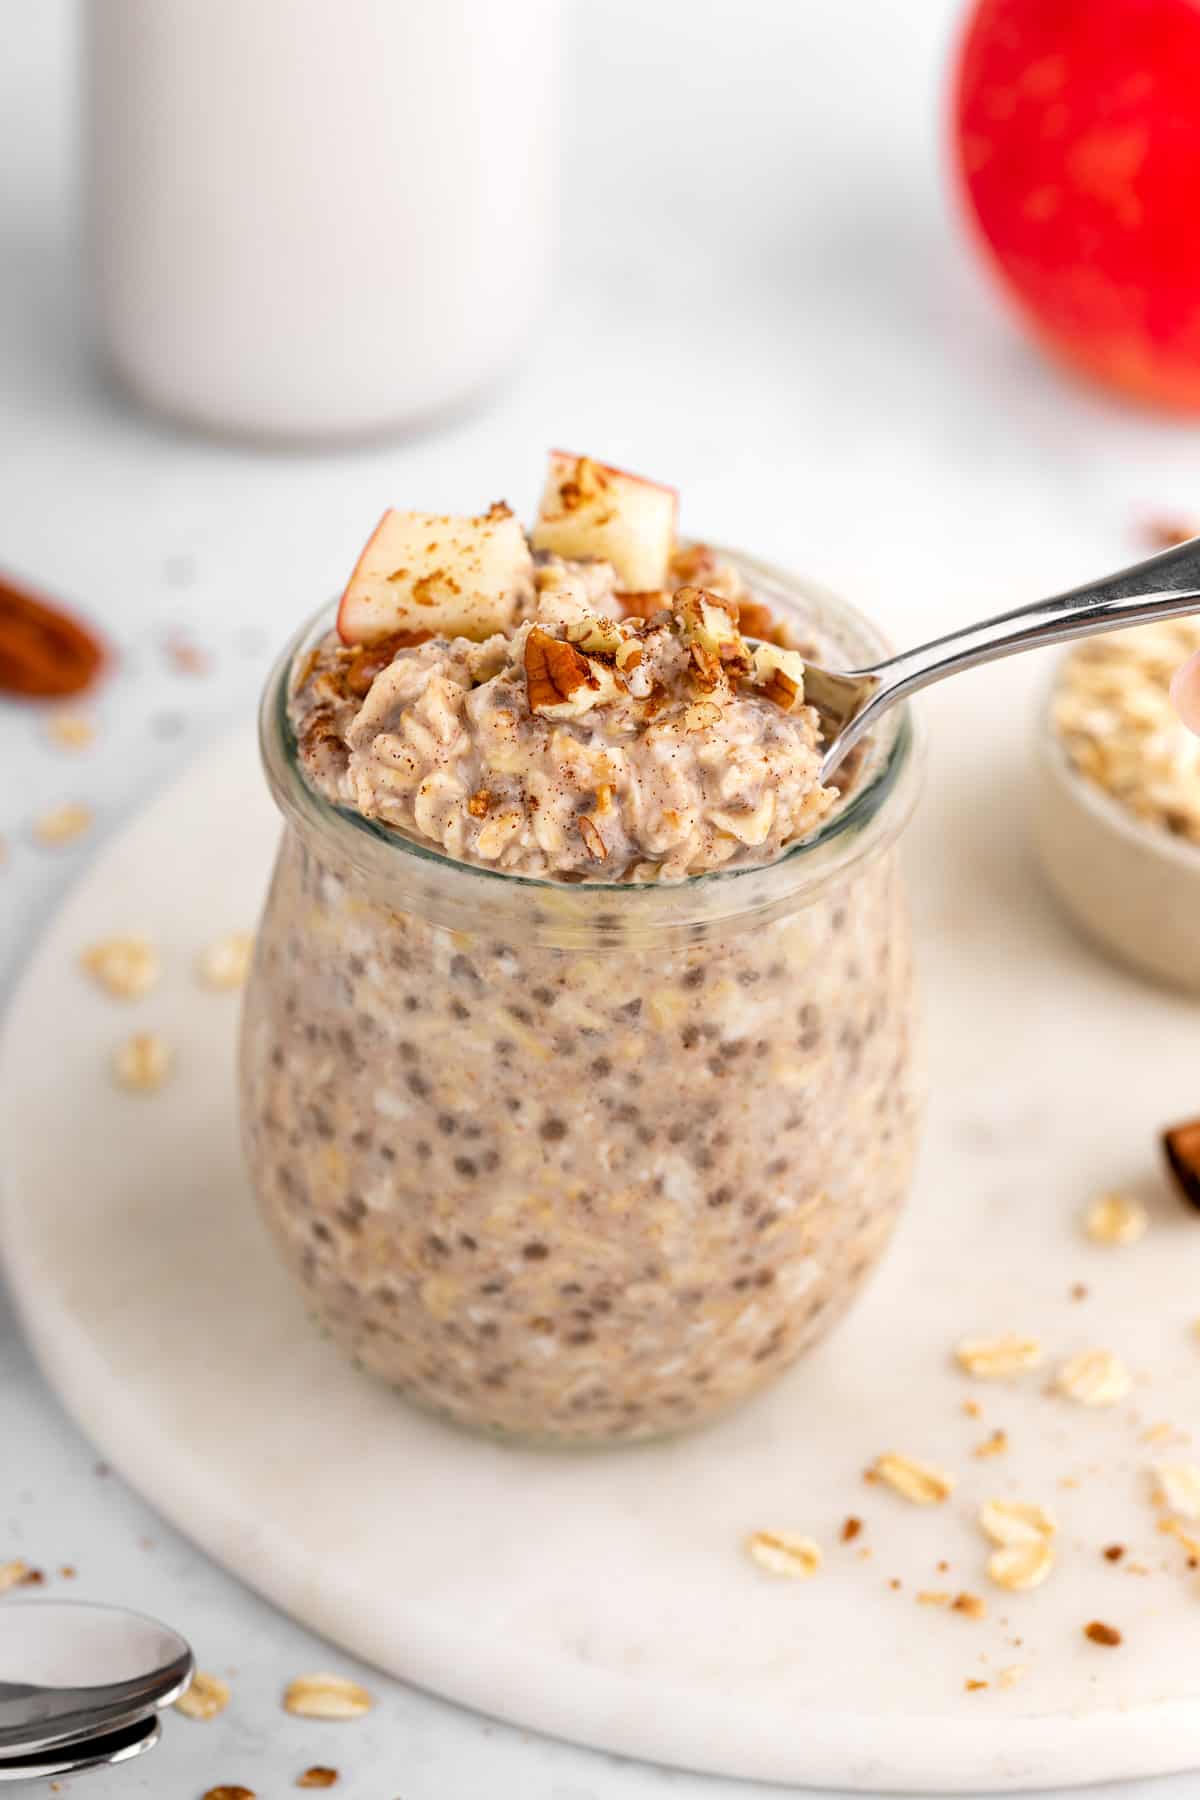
x: 1133, y: 887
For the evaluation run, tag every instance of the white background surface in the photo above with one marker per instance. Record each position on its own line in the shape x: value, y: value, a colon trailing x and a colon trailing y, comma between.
x: 765, y: 298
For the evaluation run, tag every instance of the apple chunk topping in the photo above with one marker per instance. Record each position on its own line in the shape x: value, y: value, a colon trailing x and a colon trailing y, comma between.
x: 442, y: 575
x: 780, y: 675
x: 592, y: 511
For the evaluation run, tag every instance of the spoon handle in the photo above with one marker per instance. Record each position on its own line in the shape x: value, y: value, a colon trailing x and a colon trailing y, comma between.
x: 1162, y: 587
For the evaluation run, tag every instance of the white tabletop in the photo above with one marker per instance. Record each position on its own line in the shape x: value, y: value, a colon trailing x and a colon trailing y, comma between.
x: 764, y: 298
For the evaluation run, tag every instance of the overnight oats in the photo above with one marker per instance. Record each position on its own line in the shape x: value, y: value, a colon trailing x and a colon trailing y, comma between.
x: 577, y: 1059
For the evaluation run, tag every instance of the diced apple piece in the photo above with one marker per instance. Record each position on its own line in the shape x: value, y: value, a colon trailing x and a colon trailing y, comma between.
x: 780, y: 675
x: 452, y: 577
x: 589, y: 510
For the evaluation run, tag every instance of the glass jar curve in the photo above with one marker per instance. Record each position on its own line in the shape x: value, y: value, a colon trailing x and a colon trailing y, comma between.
x: 581, y: 1163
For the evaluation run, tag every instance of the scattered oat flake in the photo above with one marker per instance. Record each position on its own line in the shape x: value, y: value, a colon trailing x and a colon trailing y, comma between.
x: 783, y: 1553
x: 1094, y: 1378
x: 995, y: 1445
x: 126, y: 967
x: 142, y: 1063
x: 15, y: 1574
x: 1179, y: 1487
x: 70, y: 731
x: 1160, y: 1433
x: 186, y: 657
x: 225, y: 963
x: 207, y: 1696
x: 1016, y: 1522
x: 327, y: 1697
x: 996, y: 1358
x: 1116, y: 1219
x: 973, y: 1686
x: 61, y: 825
x: 921, y: 1482
x: 1021, y: 1566
x: 1010, y: 1676
x: 317, y: 1777
x: 973, y: 1606
x: 933, y: 1597
x: 1100, y: 1633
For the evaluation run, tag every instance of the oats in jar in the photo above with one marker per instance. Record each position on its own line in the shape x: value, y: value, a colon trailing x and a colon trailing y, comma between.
x: 577, y: 1100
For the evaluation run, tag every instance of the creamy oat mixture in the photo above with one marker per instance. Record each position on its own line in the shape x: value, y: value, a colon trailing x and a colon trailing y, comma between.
x: 594, y: 1188
x: 607, y: 736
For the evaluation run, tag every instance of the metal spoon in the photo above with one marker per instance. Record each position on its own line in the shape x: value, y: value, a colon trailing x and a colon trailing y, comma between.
x: 851, y: 701
x: 70, y: 1671
x: 87, y: 1753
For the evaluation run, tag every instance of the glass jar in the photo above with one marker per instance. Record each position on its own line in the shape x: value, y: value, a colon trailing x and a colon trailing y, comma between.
x: 580, y: 1162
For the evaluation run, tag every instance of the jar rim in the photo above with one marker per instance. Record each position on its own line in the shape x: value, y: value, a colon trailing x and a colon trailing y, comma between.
x: 877, y: 809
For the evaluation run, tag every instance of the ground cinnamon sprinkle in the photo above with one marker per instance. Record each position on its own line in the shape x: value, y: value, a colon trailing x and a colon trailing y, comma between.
x: 44, y: 652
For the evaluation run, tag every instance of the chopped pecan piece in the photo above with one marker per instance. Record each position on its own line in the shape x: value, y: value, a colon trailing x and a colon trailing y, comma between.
x: 554, y: 672
x: 643, y: 604
x: 758, y: 621
x: 371, y: 659
x: 597, y: 849
x: 706, y: 669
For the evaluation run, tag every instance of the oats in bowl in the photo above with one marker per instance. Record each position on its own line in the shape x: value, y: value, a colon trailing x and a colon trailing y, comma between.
x: 1117, y: 801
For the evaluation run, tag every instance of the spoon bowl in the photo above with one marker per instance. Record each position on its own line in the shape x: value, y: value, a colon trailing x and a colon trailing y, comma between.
x: 97, y: 1752
x: 70, y: 1670
x: 849, y: 702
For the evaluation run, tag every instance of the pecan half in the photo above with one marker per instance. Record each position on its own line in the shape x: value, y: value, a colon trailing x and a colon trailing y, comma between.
x: 1182, y: 1147
x: 554, y: 671
x: 44, y: 653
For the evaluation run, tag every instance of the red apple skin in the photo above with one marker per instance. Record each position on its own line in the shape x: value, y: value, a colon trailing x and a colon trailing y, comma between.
x: 343, y: 621
x: 1077, y: 143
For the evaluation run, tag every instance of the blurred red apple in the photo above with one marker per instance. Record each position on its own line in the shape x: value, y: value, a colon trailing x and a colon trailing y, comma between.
x: 1077, y: 138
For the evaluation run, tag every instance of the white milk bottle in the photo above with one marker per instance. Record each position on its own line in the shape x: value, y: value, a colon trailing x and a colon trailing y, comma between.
x: 313, y: 219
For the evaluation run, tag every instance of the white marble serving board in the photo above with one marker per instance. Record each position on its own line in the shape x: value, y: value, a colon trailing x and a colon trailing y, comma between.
x: 605, y: 1597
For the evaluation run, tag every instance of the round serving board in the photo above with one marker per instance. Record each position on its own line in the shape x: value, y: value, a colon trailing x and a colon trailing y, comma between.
x: 606, y: 1597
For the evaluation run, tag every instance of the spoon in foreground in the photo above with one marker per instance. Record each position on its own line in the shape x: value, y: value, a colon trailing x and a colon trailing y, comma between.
x: 71, y: 1671
x: 851, y: 701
